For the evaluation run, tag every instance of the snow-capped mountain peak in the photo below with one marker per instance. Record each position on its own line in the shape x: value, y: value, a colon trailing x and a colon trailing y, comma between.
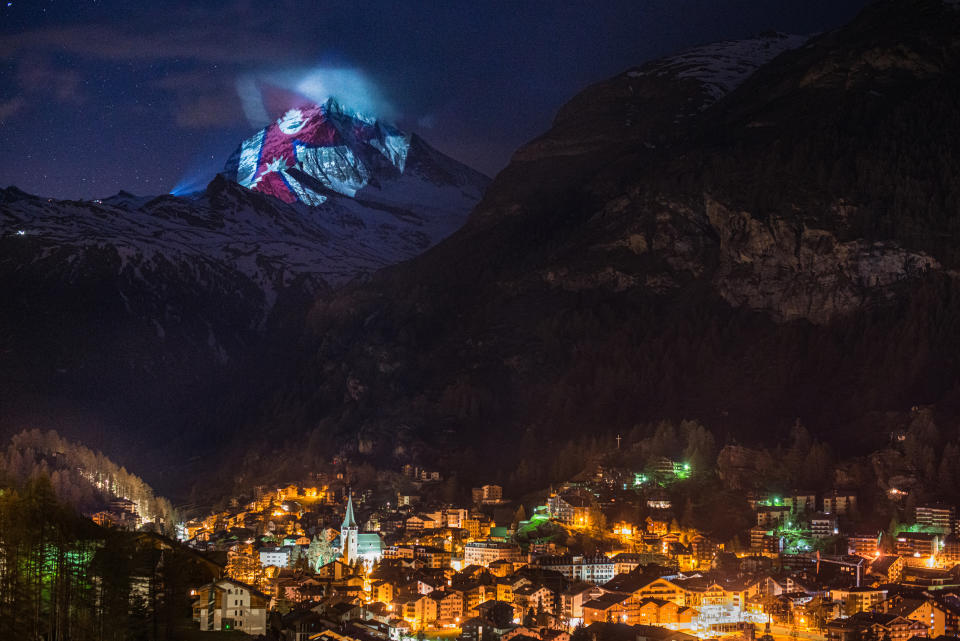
x: 314, y: 152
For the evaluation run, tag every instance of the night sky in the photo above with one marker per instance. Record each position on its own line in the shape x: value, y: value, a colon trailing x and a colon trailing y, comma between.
x: 96, y: 97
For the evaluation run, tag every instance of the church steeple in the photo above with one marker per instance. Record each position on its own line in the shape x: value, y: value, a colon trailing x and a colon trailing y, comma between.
x: 348, y: 520
x: 349, y: 535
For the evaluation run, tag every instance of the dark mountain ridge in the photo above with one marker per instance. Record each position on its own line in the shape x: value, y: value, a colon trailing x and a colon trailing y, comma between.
x: 785, y: 250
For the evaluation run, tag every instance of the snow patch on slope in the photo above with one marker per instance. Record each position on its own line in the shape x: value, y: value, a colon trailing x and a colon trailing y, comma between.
x: 230, y: 230
x: 722, y: 66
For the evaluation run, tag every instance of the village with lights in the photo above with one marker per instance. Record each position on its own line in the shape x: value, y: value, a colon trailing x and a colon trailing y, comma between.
x: 485, y: 321
x: 614, y: 553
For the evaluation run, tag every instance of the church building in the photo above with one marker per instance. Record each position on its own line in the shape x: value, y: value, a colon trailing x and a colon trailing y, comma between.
x: 355, y: 545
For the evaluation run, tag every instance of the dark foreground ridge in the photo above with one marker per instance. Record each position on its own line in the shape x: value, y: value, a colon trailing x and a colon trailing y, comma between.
x: 667, y: 250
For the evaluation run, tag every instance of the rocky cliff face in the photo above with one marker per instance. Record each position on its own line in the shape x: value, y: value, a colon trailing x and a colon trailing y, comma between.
x: 794, y: 272
x: 779, y: 265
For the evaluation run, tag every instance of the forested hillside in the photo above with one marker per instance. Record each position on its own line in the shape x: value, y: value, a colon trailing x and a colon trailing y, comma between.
x: 64, y: 578
x: 86, y: 480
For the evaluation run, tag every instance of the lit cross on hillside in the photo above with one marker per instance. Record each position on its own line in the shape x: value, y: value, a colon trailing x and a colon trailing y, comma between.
x: 618, y: 441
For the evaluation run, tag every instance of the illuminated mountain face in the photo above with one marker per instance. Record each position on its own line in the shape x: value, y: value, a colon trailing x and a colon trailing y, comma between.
x: 312, y: 151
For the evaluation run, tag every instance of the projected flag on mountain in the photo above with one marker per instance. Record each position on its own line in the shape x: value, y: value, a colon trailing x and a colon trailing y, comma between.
x: 305, y: 151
